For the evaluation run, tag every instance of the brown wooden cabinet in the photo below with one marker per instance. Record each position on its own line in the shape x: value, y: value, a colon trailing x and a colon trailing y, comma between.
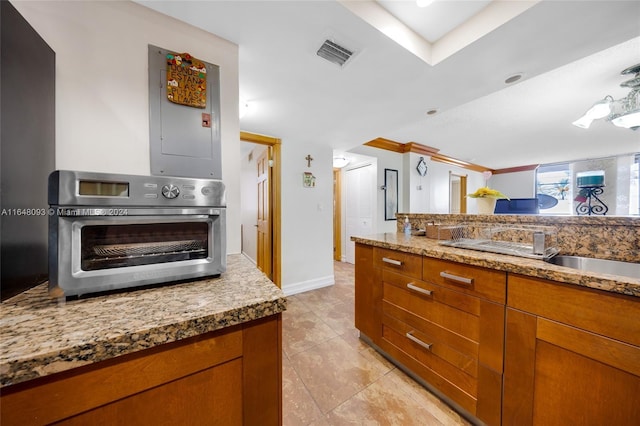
x: 572, y: 355
x: 228, y: 377
x: 443, y: 321
x: 559, y: 354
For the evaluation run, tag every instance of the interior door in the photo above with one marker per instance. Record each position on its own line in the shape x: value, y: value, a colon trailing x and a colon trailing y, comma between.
x: 264, y: 207
x: 360, y: 201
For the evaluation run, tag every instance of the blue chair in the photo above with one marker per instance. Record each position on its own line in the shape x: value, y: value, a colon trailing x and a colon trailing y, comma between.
x: 517, y: 206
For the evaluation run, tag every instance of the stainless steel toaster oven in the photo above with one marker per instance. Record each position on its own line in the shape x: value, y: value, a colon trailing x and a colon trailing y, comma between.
x: 109, y: 231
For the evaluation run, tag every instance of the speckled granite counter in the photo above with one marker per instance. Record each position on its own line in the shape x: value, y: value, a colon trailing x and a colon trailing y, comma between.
x: 41, y: 336
x: 602, y: 237
x: 519, y: 265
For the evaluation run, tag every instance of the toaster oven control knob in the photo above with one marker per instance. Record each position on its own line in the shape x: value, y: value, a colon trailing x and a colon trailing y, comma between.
x: 170, y: 191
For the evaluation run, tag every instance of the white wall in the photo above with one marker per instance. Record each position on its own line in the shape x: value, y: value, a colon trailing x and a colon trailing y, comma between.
x: 418, y: 186
x: 102, y: 104
x: 386, y: 160
x: 102, y: 118
x: 307, y: 217
x: 438, y: 184
x: 515, y: 185
x: 434, y: 195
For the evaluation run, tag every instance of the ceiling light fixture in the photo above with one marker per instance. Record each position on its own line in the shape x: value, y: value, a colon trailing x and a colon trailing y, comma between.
x: 513, y: 78
x: 624, y: 112
x: 599, y: 110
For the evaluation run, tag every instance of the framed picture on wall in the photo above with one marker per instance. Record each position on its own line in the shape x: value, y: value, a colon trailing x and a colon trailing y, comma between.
x: 390, y: 194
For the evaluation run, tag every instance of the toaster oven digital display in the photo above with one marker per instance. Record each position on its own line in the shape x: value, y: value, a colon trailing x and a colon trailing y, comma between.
x: 109, y: 189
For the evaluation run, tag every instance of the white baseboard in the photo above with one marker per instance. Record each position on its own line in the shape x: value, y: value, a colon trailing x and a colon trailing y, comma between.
x: 249, y: 258
x: 301, y: 287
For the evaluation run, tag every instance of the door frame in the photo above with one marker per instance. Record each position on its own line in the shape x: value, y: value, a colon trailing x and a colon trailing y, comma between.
x: 275, y: 197
x: 337, y: 214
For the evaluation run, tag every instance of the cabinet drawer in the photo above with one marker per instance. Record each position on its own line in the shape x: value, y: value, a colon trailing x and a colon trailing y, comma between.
x: 405, y: 263
x: 445, y: 316
x: 474, y: 280
x: 447, y: 387
x: 460, y: 344
x: 612, y: 315
x: 432, y: 353
x: 433, y: 292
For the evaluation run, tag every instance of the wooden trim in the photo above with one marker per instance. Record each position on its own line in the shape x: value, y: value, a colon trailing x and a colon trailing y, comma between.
x: 463, y: 194
x: 337, y: 215
x: 489, y: 409
x: 417, y: 148
x: 276, y: 198
x: 441, y: 158
x: 420, y: 149
x: 516, y: 169
x: 277, y: 213
x: 387, y: 144
x: 259, y: 139
x: 519, y: 368
x: 491, y: 352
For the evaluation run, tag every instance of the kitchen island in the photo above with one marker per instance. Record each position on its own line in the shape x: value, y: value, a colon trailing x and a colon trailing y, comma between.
x: 208, y: 349
x: 504, y: 339
x: 520, y: 265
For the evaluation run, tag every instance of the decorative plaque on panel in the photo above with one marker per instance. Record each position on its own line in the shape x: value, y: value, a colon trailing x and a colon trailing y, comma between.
x: 186, y: 80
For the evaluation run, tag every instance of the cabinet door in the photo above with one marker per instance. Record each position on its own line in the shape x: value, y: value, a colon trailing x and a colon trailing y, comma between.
x: 210, y: 397
x: 556, y: 374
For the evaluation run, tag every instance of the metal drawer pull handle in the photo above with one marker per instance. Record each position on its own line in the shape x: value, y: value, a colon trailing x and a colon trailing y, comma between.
x: 411, y: 337
x: 391, y: 261
x: 452, y: 277
x: 418, y: 289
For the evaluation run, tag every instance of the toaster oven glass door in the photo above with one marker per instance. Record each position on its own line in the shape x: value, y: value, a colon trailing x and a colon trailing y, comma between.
x: 107, y: 246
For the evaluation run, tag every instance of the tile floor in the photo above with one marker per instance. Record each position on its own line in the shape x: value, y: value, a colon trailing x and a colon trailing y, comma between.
x: 330, y: 377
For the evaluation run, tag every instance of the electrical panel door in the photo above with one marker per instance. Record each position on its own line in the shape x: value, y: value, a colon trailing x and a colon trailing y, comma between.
x: 184, y: 140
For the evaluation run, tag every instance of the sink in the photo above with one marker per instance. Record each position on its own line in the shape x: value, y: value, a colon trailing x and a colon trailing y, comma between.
x: 602, y: 266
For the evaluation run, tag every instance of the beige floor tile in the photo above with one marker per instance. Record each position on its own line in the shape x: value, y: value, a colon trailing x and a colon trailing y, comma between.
x: 331, y: 377
x: 339, y: 317
x: 298, y: 406
x: 334, y: 371
x: 422, y: 396
x: 382, y: 403
x: 352, y: 337
x: 303, y: 331
x: 326, y: 296
x: 295, y: 307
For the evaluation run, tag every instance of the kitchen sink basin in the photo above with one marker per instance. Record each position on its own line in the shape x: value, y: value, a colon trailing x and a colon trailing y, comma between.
x: 602, y: 266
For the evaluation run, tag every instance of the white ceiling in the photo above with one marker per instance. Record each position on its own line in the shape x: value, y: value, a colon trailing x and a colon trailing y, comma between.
x: 436, y: 20
x: 571, y: 53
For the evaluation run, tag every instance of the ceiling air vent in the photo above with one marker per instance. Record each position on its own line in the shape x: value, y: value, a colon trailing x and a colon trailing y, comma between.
x: 333, y: 52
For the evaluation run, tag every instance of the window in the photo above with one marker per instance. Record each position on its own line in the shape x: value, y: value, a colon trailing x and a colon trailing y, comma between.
x: 634, y: 187
x: 555, y: 180
x: 621, y: 193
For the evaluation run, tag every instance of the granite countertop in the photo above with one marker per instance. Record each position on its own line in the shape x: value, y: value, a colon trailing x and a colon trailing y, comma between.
x: 513, y: 264
x: 40, y: 336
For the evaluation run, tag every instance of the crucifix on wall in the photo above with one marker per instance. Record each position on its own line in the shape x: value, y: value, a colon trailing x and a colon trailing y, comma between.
x: 309, y: 160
